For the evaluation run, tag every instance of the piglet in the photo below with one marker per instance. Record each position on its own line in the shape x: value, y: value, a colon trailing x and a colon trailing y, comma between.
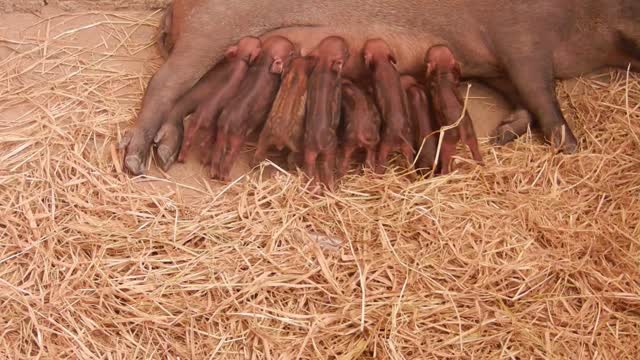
x: 217, y: 88
x: 361, y: 124
x: 323, y: 107
x: 396, y: 127
x: 248, y: 109
x: 443, y: 76
x: 423, y: 121
x: 285, y: 124
x: 208, y: 96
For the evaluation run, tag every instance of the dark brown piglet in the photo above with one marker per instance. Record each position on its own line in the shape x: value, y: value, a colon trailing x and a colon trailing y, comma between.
x: 443, y: 76
x: 423, y: 121
x: 323, y: 108
x: 206, y: 99
x: 361, y: 121
x: 248, y: 109
x: 396, y: 126
x: 285, y: 124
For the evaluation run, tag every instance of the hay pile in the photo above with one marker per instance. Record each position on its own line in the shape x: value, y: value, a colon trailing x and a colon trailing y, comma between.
x: 532, y: 256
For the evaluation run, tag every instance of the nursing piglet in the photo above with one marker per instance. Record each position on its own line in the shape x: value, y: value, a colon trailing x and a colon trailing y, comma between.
x: 361, y: 124
x: 323, y: 108
x: 248, y: 109
x: 392, y: 102
x: 443, y: 76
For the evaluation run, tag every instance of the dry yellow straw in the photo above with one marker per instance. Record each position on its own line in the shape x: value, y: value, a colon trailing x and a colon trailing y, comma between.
x: 534, y: 256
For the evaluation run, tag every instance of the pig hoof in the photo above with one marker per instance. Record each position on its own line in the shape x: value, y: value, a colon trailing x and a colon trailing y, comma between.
x: 563, y: 140
x: 166, y: 156
x: 135, y: 144
x: 169, y: 140
x: 134, y: 164
x: 505, y: 135
x: 512, y: 127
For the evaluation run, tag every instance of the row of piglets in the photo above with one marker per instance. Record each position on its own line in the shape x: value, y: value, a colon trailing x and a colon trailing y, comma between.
x: 303, y: 103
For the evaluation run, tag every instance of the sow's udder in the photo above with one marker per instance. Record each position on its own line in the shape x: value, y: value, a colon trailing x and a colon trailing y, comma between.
x: 409, y: 49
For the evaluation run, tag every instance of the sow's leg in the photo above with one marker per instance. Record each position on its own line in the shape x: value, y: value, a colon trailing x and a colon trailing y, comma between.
x: 188, y: 61
x: 207, y: 28
x: 530, y: 68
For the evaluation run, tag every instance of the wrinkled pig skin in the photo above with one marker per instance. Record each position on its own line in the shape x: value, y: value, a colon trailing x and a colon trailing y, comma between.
x: 248, y: 109
x: 423, y: 121
x: 213, y: 91
x: 361, y: 125
x: 164, y: 39
x: 443, y: 76
x: 397, y: 131
x: 286, y: 121
x: 324, y: 99
x: 517, y: 47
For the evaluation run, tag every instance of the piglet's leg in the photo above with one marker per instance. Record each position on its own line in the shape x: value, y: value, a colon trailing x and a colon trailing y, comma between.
x: 310, y: 158
x: 407, y: 151
x: 292, y: 160
x: 261, y: 148
x: 235, y: 145
x: 347, y: 154
x: 383, y: 154
x: 328, y: 167
x: 207, y: 144
x: 371, y: 157
x: 199, y: 119
x: 468, y: 136
x: 428, y: 154
x: 448, y: 150
x: 217, y: 154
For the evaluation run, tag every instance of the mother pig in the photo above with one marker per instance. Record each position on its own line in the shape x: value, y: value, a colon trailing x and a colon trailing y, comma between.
x: 516, y: 47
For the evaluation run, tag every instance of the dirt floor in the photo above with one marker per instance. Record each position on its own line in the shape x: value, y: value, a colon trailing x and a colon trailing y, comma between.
x: 35, y: 6
x: 534, y: 255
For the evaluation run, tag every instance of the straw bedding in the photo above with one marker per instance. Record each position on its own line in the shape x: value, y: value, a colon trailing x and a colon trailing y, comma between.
x: 531, y: 256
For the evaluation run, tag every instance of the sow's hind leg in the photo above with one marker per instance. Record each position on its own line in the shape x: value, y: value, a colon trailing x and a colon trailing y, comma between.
x: 186, y: 64
x: 530, y: 69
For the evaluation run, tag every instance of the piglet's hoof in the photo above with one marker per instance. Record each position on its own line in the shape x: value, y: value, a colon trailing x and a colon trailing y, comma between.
x: 169, y: 141
x: 136, y: 145
x: 563, y: 140
x: 512, y: 127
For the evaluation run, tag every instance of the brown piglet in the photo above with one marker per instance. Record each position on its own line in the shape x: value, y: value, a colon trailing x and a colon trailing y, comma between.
x: 323, y: 108
x: 248, y: 109
x: 361, y: 125
x: 286, y: 121
x: 424, y: 122
x: 206, y: 99
x: 221, y: 87
x: 443, y: 76
x: 396, y: 127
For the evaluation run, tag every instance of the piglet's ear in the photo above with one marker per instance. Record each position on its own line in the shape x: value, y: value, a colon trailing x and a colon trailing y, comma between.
x: 393, y: 61
x: 430, y: 69
x: 254, y: 55
x: 277, y: 67
x: 337, y: 66
x: 457, y: 70
x: 368, y: 58
x: 231, y: 52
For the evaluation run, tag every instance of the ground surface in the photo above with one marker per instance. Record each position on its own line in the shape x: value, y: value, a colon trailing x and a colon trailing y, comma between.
x: 76, y: 5
x: 532, y: 256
